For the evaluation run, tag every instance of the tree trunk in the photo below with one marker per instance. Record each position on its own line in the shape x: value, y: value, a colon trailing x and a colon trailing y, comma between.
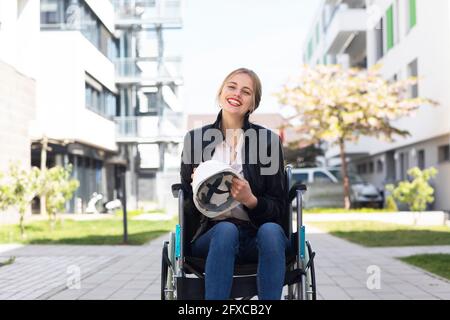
x: 21, y: 224
x: 43, y: 197
x: 345, y: 175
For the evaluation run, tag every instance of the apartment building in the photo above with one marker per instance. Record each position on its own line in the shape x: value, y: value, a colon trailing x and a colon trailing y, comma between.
x: 19, y: 31
x: 150, y: 126
x: 95, y: 81
x: 77, y: 94
x: 408, y: 38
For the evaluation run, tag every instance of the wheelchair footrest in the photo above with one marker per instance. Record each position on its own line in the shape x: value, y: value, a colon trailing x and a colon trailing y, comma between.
x: 194, y: 288
x: 293, y: 276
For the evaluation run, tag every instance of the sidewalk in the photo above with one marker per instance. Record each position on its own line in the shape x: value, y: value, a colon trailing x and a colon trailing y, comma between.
x: 341, y: 270
x: 107, y: 272
x: 119, y: 272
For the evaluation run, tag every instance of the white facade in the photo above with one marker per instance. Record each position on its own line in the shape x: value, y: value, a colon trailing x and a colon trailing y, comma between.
x: 408, y: 38
x: 19, y: 35
x: 428, y: 42
x: 67, y: 61
x: 426, y: 45
x: 65, y: 58
x: 19, y: 32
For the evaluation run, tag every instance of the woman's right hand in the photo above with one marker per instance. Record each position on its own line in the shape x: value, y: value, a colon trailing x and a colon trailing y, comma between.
x: 192, y: 175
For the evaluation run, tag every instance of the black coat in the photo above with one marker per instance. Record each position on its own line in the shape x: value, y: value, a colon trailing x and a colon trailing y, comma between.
x: 270, y: 190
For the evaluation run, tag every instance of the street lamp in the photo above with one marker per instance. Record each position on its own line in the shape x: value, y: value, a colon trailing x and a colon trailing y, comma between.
x: 124, y: 205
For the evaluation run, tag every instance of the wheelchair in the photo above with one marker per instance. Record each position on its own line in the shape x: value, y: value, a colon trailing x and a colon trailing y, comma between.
x: 182, y: 276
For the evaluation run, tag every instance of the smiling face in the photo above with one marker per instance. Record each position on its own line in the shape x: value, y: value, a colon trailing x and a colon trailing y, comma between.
x: 237, y: 95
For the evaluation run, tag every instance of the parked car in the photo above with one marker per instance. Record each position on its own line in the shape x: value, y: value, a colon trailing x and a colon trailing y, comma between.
x: 326, y: 188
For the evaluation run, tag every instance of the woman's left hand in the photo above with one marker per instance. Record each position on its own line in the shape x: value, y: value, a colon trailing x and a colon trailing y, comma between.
x: 241, y: 192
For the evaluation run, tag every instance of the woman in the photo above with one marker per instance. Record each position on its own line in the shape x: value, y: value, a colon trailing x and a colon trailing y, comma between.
x: 251, y: 232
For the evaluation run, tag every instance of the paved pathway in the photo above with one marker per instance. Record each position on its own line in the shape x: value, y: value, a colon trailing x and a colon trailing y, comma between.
x: 342, y: 271
x: 106, y: 272
x: 119, y: 272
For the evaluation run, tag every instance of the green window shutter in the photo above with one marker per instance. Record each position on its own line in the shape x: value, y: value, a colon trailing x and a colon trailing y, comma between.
x: 390, y: 28
x: 412, y: 13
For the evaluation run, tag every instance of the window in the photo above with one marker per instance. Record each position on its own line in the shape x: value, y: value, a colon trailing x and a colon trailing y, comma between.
x: 394, y: 78
x: 444, y: 153
x: 52, y: 12
x: 396, y: 20
x: 149, y: 155
x: 74, y: 15
x: 362, y: 168
x: 321, y: 177
x: 390, y: 28
x: 317, y: 33
x: 379, y: 166
x: 379, y: 32
x: 412, y: 15
x: 310, y: 49
x: 404, y: 165
x: 99, y: 99
x: 413, y: 72
x: 300, y: 177
x: 421, y: 159
x: 371, y: 167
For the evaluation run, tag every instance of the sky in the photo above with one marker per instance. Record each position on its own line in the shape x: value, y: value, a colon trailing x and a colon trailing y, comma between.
x: 219, y: 36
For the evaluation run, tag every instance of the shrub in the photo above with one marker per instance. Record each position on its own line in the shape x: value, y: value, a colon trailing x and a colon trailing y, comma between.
x: 416, y: 193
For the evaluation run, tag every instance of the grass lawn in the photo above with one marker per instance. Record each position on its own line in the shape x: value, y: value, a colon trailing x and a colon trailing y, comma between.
x: 342, y: 210
x: 96, y: 232
x: 379, y: 234
x: 135, y: 213
x: 434, y: 263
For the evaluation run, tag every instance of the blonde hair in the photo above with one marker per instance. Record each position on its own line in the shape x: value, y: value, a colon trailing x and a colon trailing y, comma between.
x: 257, y: 88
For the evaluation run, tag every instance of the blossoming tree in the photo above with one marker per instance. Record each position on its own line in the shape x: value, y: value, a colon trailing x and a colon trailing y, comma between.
x: 340, y: 105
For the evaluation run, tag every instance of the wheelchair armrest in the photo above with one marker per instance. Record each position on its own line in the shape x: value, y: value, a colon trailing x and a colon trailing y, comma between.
x: 175, y: 188
x: 294, y: 188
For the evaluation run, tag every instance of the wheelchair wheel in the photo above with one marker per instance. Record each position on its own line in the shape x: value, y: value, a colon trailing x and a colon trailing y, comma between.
x: 168, y: 290
x: 311, y: 276
x: 164, y: 269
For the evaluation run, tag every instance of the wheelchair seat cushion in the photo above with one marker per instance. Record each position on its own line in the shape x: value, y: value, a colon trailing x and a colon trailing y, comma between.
x: 211, y: 188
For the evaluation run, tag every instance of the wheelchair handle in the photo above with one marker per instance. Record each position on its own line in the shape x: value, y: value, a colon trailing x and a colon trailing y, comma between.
x: 175, y: 188
x: 293, y: 191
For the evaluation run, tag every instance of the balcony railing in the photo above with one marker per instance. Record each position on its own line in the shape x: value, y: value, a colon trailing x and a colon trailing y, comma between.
x: 344, y: 25
x: 148, y: 71
x: 343, y: 6
x: 149, y: 128
x: 139, y: 12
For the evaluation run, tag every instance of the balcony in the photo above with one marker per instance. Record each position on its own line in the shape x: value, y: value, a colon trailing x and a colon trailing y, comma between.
x: 345, y: 24
x: 148, y: 13
x: 148, y: 71
x: 149, y: 129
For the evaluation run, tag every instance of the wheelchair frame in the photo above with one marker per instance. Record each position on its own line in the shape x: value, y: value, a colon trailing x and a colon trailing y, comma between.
x: 300, y: 272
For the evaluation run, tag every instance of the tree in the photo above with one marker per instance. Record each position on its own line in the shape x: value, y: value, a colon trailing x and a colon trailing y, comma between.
x: 19, y: 190
x: 5, y: 193
x: 56, y: 187
x: 340, y: 105
x: 416, y: 193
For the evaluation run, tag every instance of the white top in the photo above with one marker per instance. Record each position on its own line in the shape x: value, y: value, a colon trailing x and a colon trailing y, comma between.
x: 224, y: 153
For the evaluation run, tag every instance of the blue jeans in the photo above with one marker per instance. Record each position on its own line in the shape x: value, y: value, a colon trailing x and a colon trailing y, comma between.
x: 226, y: 243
